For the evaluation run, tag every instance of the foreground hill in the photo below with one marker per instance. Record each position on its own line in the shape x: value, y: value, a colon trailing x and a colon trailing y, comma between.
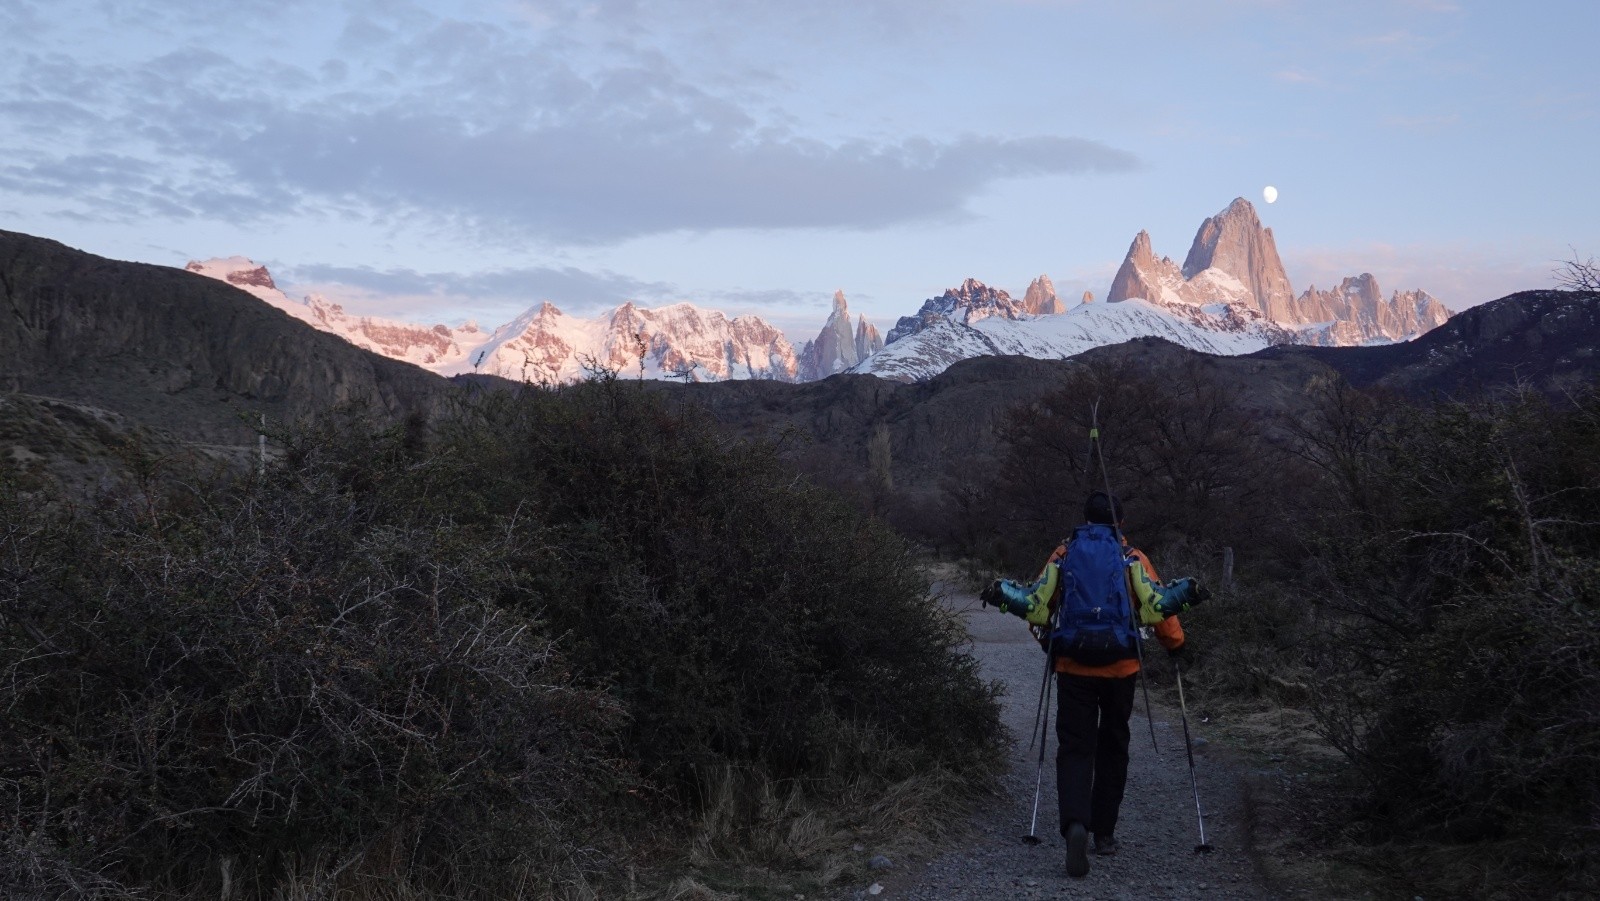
x: 1548, y: 340
x: 128, y: 345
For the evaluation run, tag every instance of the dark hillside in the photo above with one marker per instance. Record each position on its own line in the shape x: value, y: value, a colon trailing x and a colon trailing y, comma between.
x: 947, y: 424
x: 1549, y: 340
x: 176, y: 351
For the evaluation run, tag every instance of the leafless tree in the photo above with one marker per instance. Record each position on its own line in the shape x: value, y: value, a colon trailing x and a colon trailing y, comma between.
x: 1579, y: 274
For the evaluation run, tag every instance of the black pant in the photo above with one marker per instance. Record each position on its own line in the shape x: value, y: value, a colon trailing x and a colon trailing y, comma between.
x: 1092, y: 759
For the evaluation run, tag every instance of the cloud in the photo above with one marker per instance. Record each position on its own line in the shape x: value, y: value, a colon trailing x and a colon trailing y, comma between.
x: 1426, y: 124
x: 1296, y: 76
x: 827, y: 22
x: 567, y: 286
x: 1398, y: 42
x: 774, y: 298
x: 638, y: 171
x: 507, y: 132
x: 1435, y: 6
x: 21, y: 21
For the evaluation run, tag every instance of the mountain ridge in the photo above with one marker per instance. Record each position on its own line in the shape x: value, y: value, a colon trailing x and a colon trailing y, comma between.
x: 1231, y: 294
x: 1234, y: 259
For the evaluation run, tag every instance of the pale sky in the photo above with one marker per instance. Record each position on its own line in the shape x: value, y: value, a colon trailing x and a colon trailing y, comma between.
x: 444, y: 161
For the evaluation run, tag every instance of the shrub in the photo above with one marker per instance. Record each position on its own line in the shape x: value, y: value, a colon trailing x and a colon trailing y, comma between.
x: 433, y: 658
x: 286, y: 680
x: 738, y: 612
x: 1462, y: 575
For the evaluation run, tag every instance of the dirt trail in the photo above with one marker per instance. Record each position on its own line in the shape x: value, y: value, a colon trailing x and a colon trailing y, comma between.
x: 1157, y: 832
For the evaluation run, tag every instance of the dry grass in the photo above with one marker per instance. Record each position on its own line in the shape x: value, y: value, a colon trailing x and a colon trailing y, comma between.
x: 960, y: 575
x: 761, y: 838
x: 1290, y: 774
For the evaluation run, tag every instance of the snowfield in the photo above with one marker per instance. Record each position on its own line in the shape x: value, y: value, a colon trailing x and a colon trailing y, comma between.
x: 1217, y: 328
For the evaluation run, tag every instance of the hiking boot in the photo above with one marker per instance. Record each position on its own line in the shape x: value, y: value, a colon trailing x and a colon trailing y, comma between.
x: 1104, y: 845
x: 1077, y: 850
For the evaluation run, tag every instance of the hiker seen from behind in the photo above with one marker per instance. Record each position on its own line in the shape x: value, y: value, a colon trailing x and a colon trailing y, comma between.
x: 1088, y: 608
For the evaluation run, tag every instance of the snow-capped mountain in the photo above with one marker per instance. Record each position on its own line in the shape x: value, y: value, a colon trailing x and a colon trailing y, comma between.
x: 434, y: 347
x: 1234, y: 260
x: 1230, y: 296
x: 547, y: 345
x: 544, y: 344
x: 946, y: 331
x: 967, y: 305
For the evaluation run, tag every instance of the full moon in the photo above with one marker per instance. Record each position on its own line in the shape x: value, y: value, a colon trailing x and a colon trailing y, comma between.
x: 1270, y: 193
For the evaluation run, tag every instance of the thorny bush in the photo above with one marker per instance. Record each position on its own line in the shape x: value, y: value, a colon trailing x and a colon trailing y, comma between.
x: 452, y: 657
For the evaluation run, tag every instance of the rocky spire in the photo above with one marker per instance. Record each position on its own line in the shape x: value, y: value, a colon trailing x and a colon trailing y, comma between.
x: 868, y: 341
x: 1235, y: 242
x: 1041, y: 299
x: 1141, y: 273
x: 835, y: 348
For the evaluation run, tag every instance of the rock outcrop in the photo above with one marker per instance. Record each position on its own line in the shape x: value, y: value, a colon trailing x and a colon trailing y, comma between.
x: 236, y: 271
x: 868, y: 341
x: 1356, y: 312
x: 967, y: 304
x: 1041, y: 299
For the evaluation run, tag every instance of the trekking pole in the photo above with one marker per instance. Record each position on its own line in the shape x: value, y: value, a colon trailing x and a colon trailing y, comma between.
x: 1032, y: 838
x: 1138, y: 629
x: 1039, y: 708
x: 1201, y: 848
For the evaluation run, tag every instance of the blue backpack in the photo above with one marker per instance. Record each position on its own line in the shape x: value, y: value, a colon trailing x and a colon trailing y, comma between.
x: 1094, y: 621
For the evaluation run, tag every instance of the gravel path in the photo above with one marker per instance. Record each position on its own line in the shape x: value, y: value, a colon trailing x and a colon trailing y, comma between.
x: 1157, y: 832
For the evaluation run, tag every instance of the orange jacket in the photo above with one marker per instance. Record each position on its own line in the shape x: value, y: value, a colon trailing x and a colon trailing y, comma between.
x: 1168, y: 631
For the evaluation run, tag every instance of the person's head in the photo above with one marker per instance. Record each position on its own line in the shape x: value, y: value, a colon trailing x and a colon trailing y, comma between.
x: 1102, y: 508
